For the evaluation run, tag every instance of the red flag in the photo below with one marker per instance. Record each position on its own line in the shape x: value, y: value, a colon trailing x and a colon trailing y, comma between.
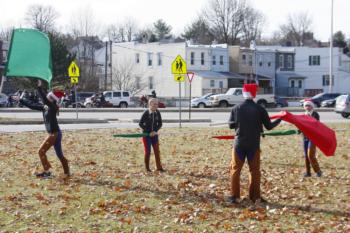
x: 322, y: 136
x: 225, y: 137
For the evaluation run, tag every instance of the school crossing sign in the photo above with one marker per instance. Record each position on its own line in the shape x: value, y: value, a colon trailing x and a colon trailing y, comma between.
x: 73, y: 72
x: 179, y: 69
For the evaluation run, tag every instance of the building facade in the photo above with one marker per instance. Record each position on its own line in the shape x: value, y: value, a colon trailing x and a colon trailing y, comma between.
x: 151, y: 67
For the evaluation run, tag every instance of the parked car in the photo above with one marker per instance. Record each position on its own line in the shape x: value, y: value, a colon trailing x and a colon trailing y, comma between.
x: 342, y: 105
x: 329, y: 103
x: 317, y: 99
x: 280, y: 102
x: 235, y: 96
x: 201, y: 102
x: 118, y: 98
x: 3, y: 100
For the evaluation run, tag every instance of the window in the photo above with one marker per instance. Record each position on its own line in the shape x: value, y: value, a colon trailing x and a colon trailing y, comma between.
x: 117, y: 94
x: 269, y: 64
x: 250, y: 60
x: 192, y: 58
x: 214, y: 60
x: 137, y: 58
x: 221, y: 60
x: 289, y: 61
x: 150, y: 57
x: 159, y: 59
x: 150, y: 83
x: 325, y: 80
x: 138, y: 82
x: 125, y: 94
x: 108, y: 95
x: 212, y: 83
x: 281, y: 61
x: 244, y: 59
x: 202, y: 58
x: 221, y: 84
x: 300, y: 83
x: 292, y: 83
x: 314, y: 60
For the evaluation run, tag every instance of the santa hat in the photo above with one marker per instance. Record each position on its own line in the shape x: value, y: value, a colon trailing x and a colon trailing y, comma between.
x: 308, y: 102
x: 250, y: 90
x: 52, y: 96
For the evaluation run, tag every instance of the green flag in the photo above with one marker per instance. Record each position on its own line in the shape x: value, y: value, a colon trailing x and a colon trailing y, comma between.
x: 29, y: 55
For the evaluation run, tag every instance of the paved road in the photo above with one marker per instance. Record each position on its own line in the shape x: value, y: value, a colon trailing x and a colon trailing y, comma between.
x: 124, y: 119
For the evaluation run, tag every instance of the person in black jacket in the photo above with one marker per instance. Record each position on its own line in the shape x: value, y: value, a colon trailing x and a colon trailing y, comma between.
x: 49, y: 109
x: 248, y: 119
x: 150, y: 123
x: 309, y: 147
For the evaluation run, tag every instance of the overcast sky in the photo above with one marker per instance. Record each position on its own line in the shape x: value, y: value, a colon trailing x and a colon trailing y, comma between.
x: 180, y: 13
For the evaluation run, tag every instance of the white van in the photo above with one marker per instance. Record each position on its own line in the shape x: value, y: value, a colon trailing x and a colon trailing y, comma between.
x: 118, y: 98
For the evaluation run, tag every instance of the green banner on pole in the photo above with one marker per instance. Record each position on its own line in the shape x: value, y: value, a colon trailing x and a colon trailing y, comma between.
x: 29, y: 55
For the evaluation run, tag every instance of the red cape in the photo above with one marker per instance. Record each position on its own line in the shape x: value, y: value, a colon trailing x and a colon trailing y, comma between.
x: 322, y: 136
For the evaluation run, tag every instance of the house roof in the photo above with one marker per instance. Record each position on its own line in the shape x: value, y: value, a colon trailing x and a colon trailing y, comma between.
x: 214, y: 74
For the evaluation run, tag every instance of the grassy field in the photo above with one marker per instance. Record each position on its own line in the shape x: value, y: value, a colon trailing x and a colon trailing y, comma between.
x: 110, y: 192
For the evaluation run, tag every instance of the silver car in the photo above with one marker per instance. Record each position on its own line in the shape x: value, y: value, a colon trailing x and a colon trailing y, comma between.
x: 3, y: 100
x: 342, y: 105
x: 201, y: 102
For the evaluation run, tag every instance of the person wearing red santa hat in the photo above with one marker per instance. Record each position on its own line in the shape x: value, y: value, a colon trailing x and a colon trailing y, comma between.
x: 248, y: 119
x: 50, y: 110
x: 309, y: 147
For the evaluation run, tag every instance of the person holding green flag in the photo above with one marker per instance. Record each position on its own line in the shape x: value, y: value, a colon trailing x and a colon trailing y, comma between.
x: 150, y: 123
x: 50, y: 110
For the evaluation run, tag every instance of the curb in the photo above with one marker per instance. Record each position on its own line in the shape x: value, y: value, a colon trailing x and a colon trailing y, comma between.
x: 182, y: 120
x: 60, y: 121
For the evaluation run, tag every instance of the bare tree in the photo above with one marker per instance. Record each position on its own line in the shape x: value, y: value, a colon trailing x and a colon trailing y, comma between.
x: 41, y: 17
x: 297, y: 29
x: 252, y: 25
x: 85, y: 29
x: 5, y: 33
x: 225, y: 18
x: 122, y: 32
x: 125, y: 78
x: 199, y: 32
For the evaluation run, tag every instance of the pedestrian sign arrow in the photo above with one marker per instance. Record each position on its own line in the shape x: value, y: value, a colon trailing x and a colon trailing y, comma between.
x: 73, y: 70
x: 74, y: 80
x: 179, y: 66
x: 179, y: 78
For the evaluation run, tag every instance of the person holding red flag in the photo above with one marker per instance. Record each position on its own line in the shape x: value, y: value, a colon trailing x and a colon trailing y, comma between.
x: 248, y: 119
x: 309, y: 147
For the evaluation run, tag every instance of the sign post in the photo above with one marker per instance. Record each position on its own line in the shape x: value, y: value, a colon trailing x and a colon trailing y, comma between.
x: 74, y: 73
x: 179, y: 69
x: 190, y: 76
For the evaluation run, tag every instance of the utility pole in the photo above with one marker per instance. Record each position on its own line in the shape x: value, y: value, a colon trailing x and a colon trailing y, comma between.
x: 331, y: 52
x: 106, y: 65
x: 110, y: 63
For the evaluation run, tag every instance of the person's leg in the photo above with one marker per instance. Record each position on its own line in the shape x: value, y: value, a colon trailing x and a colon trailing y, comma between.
x: 307, y: 161
x: 147, y: 151
x: 312, y: 158
x: 59, y: 153
x: 45, y: 146
x: 255, y: 176
x: 155, y: 145
x: 235, y: 173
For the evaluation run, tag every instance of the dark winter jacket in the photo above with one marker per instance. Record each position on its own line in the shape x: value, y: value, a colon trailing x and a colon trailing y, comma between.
x: 151, y: 121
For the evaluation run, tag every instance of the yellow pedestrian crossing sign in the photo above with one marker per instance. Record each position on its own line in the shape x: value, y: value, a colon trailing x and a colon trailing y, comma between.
x: 179, y: 78
x: 73, y: 70
x: 179, y: 66
x: 74, y: 80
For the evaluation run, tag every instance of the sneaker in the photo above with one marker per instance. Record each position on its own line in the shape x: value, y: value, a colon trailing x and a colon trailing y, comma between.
x: 44, y: 175
x: 307, y: 174
x: 319, y: 174
x: 232, y: 200
x: 161, y: 170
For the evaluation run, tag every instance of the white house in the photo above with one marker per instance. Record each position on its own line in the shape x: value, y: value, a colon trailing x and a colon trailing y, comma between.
x: 151, y: 64
x: 314, y: 63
